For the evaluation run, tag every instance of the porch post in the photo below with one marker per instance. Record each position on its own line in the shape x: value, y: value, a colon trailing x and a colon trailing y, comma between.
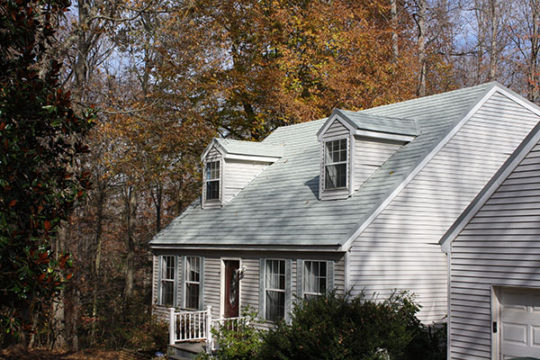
x: 171, y: 327
x: 209, y: 340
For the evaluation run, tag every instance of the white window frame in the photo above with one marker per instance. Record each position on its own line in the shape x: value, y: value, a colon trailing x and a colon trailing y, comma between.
x: 208, y: 180
x: 187, y: 281
x: 267, y: 288
x: 305, y: 278
x: 332, y: 163
x: 163, y: 279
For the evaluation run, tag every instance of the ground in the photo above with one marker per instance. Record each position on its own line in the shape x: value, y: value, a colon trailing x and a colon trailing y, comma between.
x: 18, y: 353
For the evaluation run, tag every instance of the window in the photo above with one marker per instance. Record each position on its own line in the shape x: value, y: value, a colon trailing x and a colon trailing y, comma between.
x: 335, y: 164
x: 212, y: 180
x: 315, y: 278
x: 193, y: 282
x: 168, y: 271
x: 275, y: 290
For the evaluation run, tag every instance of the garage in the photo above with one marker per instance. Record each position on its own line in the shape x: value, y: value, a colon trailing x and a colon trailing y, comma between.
x: 519, y: 323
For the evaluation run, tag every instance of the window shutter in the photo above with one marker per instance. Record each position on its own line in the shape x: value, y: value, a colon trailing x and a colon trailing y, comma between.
x: 288, y: 290
x: 160, y: 271
x: 221, y: 181
x: 322, y: 174
x: 299, y: 279
x: 201, y: 283
x: 178, y: 282
x: 330, y: 275
x: 175, y: 286
x: 203, y: 199
x: 262, y: 275
x: 183, y: 270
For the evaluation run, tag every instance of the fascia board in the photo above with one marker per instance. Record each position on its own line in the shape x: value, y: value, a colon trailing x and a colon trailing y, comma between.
x: 506, y: 169
x: 282, y: 248
x: 383, y: 135
x: 251, y: 158
x: 426, y: 159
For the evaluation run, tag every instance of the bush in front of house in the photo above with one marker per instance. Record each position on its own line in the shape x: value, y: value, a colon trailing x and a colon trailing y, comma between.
x: 236, y: 340
x: 344, y: 327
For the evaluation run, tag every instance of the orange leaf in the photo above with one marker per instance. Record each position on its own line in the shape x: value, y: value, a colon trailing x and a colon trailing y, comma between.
x: 12, y: 203
x: 47, y: 225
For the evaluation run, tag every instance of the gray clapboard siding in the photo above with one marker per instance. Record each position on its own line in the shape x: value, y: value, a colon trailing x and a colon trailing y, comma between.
x: 494, y: 248
x: 369, y: 154
x: 409, y: 229
x: 212, y: 284
x: 237, y: 175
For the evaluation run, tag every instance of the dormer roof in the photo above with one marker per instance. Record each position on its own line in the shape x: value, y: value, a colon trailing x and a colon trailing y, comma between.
x: 363, y: 124
x: 245, y: 150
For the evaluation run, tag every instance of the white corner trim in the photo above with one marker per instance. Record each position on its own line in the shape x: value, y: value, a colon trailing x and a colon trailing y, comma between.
x: 347, y: 245
x: 384, y: 135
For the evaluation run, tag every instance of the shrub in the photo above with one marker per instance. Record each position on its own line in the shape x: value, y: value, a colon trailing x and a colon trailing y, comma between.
x: 341, y: 327
x: 236, y: 342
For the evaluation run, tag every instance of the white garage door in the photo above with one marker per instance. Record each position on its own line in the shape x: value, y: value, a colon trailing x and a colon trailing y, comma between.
x: 520, y: 324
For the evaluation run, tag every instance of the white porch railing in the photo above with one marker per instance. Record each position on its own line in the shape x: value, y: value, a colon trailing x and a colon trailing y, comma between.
x: 187, y: 326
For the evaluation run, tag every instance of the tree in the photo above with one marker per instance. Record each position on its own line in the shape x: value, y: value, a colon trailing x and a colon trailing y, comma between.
x: 41, y: 139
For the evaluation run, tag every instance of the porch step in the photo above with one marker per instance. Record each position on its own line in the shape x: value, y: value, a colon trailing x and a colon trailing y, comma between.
x: 185, y: 351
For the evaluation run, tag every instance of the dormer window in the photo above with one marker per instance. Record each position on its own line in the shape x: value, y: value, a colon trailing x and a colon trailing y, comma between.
x: 230, y: 165
x: 212, y: 180
x: 335, y: 164
x: 354, y: 145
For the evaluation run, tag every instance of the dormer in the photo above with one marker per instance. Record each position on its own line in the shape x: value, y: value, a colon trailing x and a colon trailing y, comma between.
x: 229, y: 165
x: 354, y: 145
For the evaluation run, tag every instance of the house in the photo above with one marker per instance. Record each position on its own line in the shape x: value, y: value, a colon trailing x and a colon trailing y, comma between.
x: 359, y: 200
x: 494, y: 264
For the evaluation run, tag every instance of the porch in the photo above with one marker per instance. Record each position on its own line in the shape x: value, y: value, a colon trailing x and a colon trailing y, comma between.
x: 190, y: 332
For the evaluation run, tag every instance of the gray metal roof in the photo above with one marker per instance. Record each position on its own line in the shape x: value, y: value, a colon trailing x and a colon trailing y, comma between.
x: 280, y: 207
x: 364, y: 121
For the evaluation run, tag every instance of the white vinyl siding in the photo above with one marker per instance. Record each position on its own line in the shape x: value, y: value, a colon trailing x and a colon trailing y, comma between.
x: 400, y: 249
x: 238, y: 174
x: 500, y: 246
x: 369, y: 154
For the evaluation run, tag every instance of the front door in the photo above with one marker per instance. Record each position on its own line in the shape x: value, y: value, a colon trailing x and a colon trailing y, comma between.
x: 232, y: 288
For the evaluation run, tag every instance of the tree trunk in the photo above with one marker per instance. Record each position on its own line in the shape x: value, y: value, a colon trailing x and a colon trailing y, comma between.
x: 131, y: 211
x: 422, y: 56
x: 157, y: 198
x: 493, y: 53
x: 533, y: 76
x: 394, y: 20
x: 96, y: 280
